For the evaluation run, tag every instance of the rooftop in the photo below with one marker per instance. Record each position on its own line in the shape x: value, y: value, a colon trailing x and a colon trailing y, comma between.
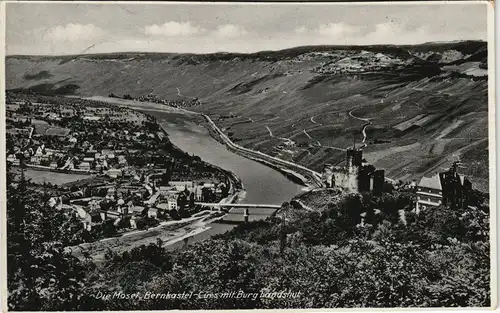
x: 433, y: 182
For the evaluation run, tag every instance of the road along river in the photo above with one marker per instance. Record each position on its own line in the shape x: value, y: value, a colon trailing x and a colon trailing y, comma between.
x: 263, y: 184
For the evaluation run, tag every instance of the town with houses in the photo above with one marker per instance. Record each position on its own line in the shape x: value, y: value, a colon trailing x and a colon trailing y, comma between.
x: 133, y: 176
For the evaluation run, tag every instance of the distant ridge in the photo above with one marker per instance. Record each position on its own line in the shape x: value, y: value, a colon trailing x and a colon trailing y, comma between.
x: 309, y: 48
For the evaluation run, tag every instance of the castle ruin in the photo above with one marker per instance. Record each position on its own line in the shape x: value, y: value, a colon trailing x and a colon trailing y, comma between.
x: 354, y: 177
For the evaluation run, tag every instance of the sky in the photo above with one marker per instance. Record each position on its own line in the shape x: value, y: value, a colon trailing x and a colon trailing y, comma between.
x: 74, y: 28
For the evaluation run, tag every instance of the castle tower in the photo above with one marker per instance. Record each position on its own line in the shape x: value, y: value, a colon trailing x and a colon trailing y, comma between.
x: 327, y: 176
x: 354, y: 157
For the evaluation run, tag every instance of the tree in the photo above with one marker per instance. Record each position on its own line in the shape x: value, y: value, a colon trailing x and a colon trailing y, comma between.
x: 182, y: 202
x: 41, y: 275
x: 191, y: 200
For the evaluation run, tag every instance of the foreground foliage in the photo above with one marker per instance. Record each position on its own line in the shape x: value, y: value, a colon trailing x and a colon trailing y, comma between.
x: 358, y: 252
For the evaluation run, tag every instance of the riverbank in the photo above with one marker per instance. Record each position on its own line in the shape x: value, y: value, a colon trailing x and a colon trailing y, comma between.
x: 283, y: 166
x: 289, y: 174
x: 170, y: 232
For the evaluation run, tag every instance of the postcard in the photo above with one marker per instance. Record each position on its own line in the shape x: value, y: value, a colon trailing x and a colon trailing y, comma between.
x: 215, y: 156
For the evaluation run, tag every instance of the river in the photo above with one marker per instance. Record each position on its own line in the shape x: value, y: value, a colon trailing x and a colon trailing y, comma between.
x: 263, y: 185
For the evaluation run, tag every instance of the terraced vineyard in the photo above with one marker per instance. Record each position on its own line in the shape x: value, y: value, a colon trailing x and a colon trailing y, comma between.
x: 426, y: 105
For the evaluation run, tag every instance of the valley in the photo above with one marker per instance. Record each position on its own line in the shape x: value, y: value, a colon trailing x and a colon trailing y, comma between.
x: 415, y: 109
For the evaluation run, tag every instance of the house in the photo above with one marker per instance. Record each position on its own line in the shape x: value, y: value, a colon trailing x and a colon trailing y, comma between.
x: 133, y: 224
x: 91, y: 152
x: 39, y: 150
x: 446, y: 188
x: 163, y: 206
x: 11, y: 158
x: 84, y: 166
x: 160, y: 135
x: 35, y: 160
x: 85, y: 217
x: 99, y: 156
x: 167, y: 190
x: 429, y: 193
x: 198, y: 190
x: 187, y: 184
x: 45, y: 158
x: 72, y: 197
x: 91, y: 118
x: 122, y: 159
x: 179, y: 188
x: 52, y: 116
x: 162, y: 188
x: 170, y: 204
x: 111, y: 192
x: 67, y: 112
x: 153, y: 199
x: 88, y: 159
x: 53, y: 164
x: 86, y: 145
x: 138, y: 210
x: 52, y: 202
x: 114, y: 173
x: 152, y: 212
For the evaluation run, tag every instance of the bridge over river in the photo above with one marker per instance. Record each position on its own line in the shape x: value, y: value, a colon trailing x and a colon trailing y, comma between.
x: 239, y: 205
x: 241, y: 212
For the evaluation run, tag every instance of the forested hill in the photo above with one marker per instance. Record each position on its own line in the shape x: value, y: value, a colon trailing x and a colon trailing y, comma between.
x: 426, y: 103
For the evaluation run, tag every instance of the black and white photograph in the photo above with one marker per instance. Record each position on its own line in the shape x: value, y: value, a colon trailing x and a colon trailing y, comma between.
x: 215, y: 156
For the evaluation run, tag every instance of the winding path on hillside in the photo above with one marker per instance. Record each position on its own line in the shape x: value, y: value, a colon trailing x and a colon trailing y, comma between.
x: 319, y: 143
x: 311, y: 138
x: 363, y: 130
x: 270, y: 132
x: 314, y: 122
x: 308, y: 136
x: 305, y: 132
x: 287, y: 140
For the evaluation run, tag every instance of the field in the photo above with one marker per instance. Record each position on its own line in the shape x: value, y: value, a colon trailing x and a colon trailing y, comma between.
x: 170, y: 232
x: 39, y: 177
x: 43, y: 128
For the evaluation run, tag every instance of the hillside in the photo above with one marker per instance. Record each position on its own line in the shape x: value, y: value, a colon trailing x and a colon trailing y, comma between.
x: 426, y: 105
